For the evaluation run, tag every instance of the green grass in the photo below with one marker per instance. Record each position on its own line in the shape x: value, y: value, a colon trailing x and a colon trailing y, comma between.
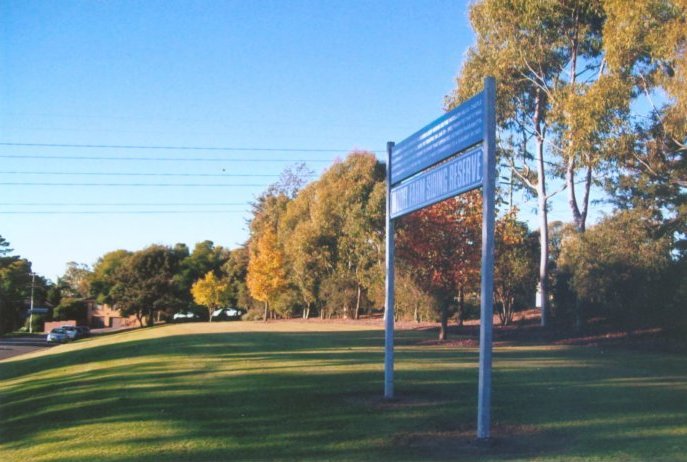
x: 234, y: 391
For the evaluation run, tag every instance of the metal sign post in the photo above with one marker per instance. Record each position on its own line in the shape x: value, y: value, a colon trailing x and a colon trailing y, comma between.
x: 389, y: 295
x: 487, y: 282
x: 452, y: 155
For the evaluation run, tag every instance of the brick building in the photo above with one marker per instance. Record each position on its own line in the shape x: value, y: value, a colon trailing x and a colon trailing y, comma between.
x: 103, y: 315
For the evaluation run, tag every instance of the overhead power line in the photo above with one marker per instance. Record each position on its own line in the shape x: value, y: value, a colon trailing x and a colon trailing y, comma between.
x: 180, y: 148
x: 136, y: 185
x: 121, y: 204
x: 161, y: 159
x: 149, y: 174
x: 121, y: 212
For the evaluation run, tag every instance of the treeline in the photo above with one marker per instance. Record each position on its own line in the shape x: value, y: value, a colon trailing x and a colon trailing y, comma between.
x: 151, y: 284
x: 320, y: 251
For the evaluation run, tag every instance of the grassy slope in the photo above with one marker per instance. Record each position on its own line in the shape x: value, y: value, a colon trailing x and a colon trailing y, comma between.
x: 296, y: 390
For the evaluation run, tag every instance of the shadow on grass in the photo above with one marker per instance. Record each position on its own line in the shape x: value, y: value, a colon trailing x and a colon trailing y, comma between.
x: 318, y: 395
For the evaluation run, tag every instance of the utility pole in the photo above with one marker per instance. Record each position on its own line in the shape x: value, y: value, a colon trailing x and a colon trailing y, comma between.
x: 33, y: 283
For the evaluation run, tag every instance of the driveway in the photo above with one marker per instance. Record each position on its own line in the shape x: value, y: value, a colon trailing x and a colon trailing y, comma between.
x: 13, y: 346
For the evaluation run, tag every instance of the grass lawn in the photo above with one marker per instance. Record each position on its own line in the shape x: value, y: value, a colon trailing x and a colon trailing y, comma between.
x: 312, y: 390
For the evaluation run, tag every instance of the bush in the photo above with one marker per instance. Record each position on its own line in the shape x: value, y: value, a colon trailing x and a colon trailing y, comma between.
x: 619, y: 269
x: 254, y: 314
x: 71, y: 309
x: 676, y: 314
x: 37, y: 321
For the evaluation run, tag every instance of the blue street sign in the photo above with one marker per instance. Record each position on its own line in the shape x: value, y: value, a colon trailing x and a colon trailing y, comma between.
x: 38, y: 310
x: 424, y: 169
x: 456, y: 176
x: 449, y: 134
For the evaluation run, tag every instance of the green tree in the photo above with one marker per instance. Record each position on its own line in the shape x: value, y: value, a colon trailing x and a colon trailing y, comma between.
x: 206, y: 256
x: 560, y: 101
x: 15, y: 288
x: 71, y: 309
x: 4, y: 247
x: 650, y: 45
x: 618, y: 269
x: 412, y: 302
x: 305, y: 248
x: 514, y: 266
x: 349, y: 211
x: 145, y: 283
x: 16, y: 280
x: 332, y: 235
x: 105, y: 272
x: 76, y: 280
x: 236, y: 269
x: 338, y: 294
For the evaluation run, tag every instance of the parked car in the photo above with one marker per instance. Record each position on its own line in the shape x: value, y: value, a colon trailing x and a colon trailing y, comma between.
x: 185, y: 316
x: 58, y: 335
x: 71, y: 331
x: 83, y: 331
x: 227, y: 314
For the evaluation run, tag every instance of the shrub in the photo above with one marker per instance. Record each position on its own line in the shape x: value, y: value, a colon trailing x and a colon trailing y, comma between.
x: 254, y: 314
x: 619, y: 269
x: 37, y: 321
x: 71, y: 308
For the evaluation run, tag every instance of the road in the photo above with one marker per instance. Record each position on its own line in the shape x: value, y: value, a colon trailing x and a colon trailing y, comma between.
x: 13, y: 346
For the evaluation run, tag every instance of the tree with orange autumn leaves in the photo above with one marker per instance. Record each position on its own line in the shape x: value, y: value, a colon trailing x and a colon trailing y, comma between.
x: 440, y: 246
x: 266, y: 277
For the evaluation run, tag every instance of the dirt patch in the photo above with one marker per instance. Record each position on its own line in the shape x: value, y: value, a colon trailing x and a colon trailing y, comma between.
x: 507, y: 441
x: 458, y: 342
x: 524, y: 330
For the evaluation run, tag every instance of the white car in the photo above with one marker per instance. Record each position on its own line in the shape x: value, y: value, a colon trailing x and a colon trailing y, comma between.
x: 57, y: 335
x: 227, y: 314
x: 71, y: 331
x: 185, y: 316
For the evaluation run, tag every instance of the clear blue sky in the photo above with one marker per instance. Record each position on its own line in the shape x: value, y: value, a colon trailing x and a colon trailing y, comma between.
x: 322, y: 75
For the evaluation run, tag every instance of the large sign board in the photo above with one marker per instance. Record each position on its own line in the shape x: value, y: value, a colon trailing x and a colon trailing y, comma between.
x: 455, y: 176
x: 440, y: 161
x: 451, y: 133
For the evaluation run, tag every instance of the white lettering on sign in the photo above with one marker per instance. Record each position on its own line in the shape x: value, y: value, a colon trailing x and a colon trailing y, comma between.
x: 456, y: 176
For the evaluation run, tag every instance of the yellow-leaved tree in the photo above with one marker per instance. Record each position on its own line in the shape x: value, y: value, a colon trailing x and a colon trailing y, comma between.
x: 266, y: 275
x: 210, y: 291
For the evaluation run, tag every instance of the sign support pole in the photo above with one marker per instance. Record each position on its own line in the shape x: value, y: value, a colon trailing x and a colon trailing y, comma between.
x: 389, y: 297
x: 487, y: 283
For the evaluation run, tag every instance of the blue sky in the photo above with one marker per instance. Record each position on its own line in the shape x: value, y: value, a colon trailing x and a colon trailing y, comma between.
x: 328, y: 76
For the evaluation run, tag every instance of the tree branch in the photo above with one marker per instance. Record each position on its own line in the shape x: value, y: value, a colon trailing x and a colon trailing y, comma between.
x: 558, y: 191
x: 522, y: 177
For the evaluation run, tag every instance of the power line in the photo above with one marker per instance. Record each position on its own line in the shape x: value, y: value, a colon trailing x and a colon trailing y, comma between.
x: 121, y: 212
x: 179, y: 148
x: 121, y: 204
x: 161, y: 159
x: 149, y: 174
x: 136, y: 185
